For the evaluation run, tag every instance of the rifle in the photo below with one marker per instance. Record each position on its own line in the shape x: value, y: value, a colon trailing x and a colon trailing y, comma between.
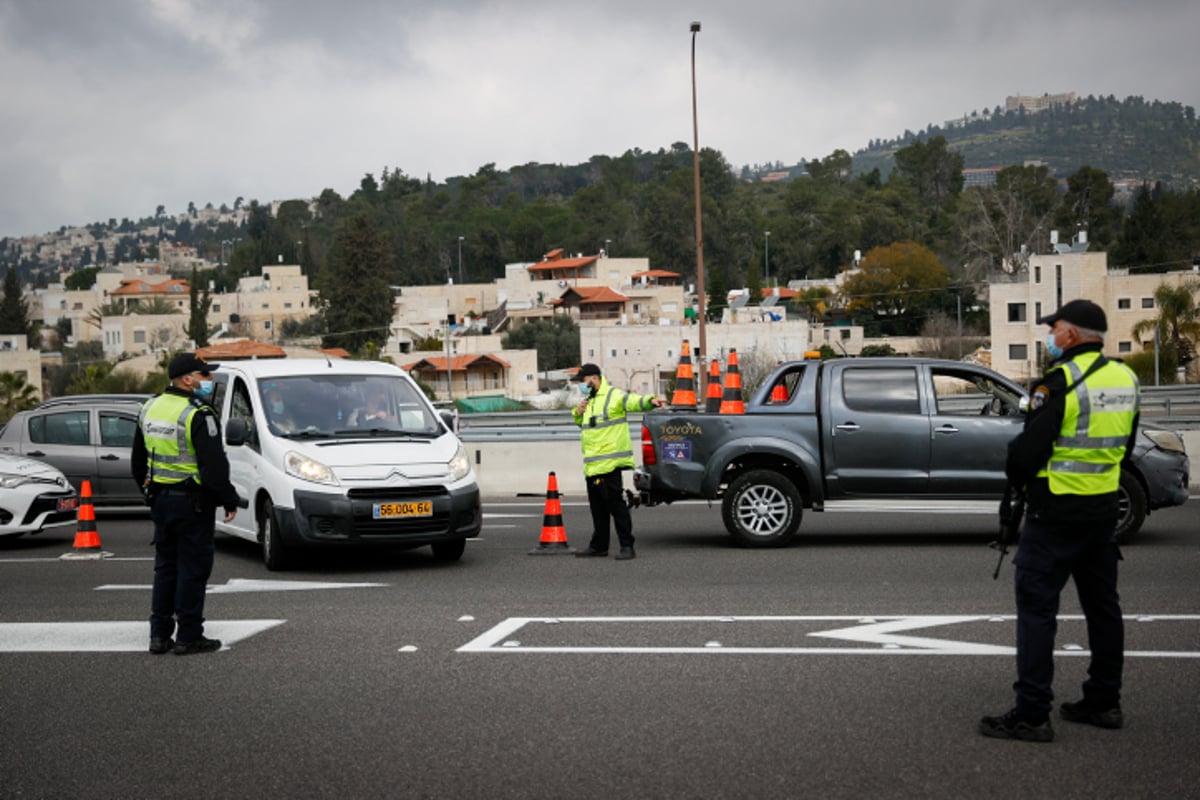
x: 1012, y: 511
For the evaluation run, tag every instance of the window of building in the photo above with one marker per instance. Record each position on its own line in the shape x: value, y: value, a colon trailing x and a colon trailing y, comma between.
x: 1016, y: 312
x: 612, y: 352
x: 1147, y: 302
x: 287, y: 305
x: 267, y: 325
x: 1124, y: 304
x: 1037, y: 274
x: 1037, y: 310
x: 845, y: 334
x: 1018, y: 352
x: 216, y: 307
x: 139, y: 336
x: 1124, y: 347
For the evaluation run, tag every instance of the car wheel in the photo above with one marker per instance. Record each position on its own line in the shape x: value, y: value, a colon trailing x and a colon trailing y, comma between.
x: 274, y: 555
x: 1131, y: 507
x: 762, y: 508
x: 451, y: 550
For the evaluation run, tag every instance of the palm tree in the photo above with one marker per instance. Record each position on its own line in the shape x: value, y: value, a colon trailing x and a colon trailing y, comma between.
x: 15, y: 395
x: 1178, y: 320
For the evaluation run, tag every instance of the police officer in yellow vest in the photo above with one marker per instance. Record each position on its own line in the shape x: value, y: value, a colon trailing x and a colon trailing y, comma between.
x: 179, y: 460
x: 1082, y: 421
x: 607, y: 451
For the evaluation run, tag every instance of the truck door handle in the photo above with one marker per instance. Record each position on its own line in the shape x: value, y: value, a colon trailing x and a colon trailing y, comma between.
x: 846, y: 426
x: 947, y: 428
x: 109, y: 457
x: 36, y: 453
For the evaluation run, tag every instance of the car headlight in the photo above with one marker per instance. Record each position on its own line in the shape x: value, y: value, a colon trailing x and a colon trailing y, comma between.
x: 460, y: 465
x: 1165, y: 440
x: 306, y: 469
x: 12, y: 480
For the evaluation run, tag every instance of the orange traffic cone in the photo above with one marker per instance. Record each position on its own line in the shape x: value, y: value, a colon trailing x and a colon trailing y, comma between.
x: 712, y: 400
x: 554, y: 537
x: 684, y: 398
x: 731, y: 401
x: 87, y: 539
x: 779, y: 393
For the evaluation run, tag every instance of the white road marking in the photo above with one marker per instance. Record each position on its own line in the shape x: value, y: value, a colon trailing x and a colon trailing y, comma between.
x: 112, y: 637
x: 879, y: 631
x: 240, y: 585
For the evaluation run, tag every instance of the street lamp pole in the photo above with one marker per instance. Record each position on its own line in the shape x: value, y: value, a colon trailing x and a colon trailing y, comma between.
x: 767, y: 257
x: 607, y: 242
x: 703, y: 353
x: 460, y: 272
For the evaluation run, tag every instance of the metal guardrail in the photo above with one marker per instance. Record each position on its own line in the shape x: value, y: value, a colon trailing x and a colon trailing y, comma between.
x: 1168, y: 406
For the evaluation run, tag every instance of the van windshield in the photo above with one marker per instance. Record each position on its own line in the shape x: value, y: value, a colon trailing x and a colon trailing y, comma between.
x: 305, y: 406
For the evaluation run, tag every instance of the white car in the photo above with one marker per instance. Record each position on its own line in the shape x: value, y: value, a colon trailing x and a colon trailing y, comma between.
x: 33, y: 496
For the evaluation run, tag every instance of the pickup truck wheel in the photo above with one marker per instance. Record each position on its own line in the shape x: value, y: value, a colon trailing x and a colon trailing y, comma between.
x: 762, y: 508
x: 1131, y: 507
x: 274, y: 555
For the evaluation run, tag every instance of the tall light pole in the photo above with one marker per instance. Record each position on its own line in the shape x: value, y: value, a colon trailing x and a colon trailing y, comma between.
x: 460, y: 274
x: 699, y: 233
x: 607, y: 242
x: 767, y: 257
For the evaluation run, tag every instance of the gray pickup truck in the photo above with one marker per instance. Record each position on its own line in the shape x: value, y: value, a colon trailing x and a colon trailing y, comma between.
x: 874, y: 434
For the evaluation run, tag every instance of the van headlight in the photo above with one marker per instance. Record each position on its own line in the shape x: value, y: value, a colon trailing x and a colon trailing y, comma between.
x: 306, y: 469
x: 460, y: 465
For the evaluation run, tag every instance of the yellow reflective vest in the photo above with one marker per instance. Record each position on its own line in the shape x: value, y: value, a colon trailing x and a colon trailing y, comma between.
x: 1097, y: 421
x: 605, y: 431
x: 166, y: 423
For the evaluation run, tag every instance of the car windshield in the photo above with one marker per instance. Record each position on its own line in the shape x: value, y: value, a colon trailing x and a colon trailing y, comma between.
x: 311, y: 406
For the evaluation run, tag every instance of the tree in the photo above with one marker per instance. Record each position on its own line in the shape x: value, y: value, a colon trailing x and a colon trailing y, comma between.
x: 556, y: 342
x: 356, y: 301
x: 14, y: 309
x: 1178, y: 320
x: 199, y: 304
x: 932, y: 169
x: 1088, y: 205
x: 15, y: 395
x: 81, y: 279
x: 897, y: 285
x: 1001, y: 224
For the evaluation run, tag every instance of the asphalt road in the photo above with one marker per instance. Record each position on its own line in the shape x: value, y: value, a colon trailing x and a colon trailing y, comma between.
x: 855, y: 662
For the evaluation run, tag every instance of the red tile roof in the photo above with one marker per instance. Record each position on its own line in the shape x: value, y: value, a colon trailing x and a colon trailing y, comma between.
x: 232, y: 351
x: 457, y: 363
x: 133, y: 287
x: 656, y: 273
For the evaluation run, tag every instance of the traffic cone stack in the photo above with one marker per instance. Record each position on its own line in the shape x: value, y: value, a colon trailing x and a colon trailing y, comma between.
x: 87, y: 538
x: 554, y: 536
x: 731, y: 401
x: 712, y: 400
x: 684, y: 398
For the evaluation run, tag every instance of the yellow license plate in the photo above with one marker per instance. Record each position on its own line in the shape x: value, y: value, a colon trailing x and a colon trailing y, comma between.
x: 423, y: 508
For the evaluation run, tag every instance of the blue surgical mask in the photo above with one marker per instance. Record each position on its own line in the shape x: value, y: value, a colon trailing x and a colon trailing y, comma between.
x: 204, y: 390
x: 1052, y: 348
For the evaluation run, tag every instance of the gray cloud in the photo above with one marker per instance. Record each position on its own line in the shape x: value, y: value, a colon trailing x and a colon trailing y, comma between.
x: 113, y: 108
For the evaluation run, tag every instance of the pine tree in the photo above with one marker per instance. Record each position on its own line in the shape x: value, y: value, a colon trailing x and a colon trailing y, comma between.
x: 199, y: 304
x: 14, y: 310
x: 356, y: 299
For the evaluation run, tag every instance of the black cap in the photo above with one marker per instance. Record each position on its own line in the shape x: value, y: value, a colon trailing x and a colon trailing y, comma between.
x: 187, y: 363
x: 1082, y: 313
x: 585, y: 370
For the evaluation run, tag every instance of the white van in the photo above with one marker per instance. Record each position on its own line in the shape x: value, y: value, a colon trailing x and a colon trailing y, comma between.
x: 336, y: 452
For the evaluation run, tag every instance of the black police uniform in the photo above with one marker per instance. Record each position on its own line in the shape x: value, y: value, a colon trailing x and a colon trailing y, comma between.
x: 184, y: 524
x: 1064, y: 536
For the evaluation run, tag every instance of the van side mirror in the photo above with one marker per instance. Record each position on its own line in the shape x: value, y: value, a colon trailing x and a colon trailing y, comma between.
x: 449, y: 419
x: 236, y: 432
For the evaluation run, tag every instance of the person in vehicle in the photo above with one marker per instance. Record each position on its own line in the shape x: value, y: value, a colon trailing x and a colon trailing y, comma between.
x: 280, y: 415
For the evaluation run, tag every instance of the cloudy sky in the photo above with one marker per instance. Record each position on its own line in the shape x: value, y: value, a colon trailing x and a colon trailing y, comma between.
x: 109, y: 109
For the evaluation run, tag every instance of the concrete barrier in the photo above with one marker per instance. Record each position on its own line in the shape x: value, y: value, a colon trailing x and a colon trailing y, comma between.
x: 519, y: 465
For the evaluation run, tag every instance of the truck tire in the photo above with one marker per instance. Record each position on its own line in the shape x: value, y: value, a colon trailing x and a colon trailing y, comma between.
x: 450, y: 550
x: 762, y: 508
x: 1131, y: 507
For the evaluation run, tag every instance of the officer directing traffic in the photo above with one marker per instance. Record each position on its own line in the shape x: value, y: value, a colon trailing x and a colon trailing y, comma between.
x: 1082, y: 421
x: 180, y: 462
x: 607, y: 451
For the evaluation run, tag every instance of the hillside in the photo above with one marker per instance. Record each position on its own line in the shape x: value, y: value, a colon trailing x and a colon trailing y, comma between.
x: 1129, y: 139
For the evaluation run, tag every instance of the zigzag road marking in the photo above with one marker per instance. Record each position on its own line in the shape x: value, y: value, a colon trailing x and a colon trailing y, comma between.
x: 867, y: 630
x: 109, y: 636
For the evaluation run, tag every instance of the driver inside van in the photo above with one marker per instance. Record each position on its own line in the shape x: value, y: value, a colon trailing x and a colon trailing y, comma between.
x: 376, y: 413
x: 279, y: 416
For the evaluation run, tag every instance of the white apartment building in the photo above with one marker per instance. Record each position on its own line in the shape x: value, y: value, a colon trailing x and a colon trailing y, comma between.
x: 1018, y: 300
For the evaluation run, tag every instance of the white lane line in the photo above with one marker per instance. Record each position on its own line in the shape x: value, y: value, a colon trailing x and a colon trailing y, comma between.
x: 870, y: 630
x: 240, y: 585
x: 111, y: 636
